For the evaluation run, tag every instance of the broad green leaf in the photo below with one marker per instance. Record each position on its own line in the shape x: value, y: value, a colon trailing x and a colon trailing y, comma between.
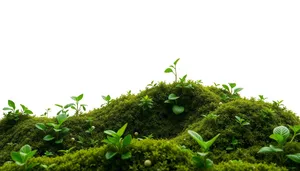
x: 48, y: 138
x: 23, y: 107
x: 237, y: 90
x: 79, y: 97
x: 106, y: 141
x: 111, y: 132
x: 65, y: 129
x: 73, y: 107
x: 122, y: 130
x: 175, y: 63
x: 168, y: 70
x: 232, y: 85
x: 110, y: 154
x: 59, y: 141
x: 277, y: 137
x: 25, y: 149
x: 16, y: 157
x: 226, y: 87
x: 56, y: 129
x: 41, y: 126
x: 83, y: 107
x: 294, y: 157
x: 177, y: 109
x: 127, y: 140
x: 61, y: 118
x: 52, y: 124
x: 126, y: 155
x: 7, y: 108
x: 270, y: 149
x: 195, y: 136
x: 114, y: 140
x: 30, y: 154
x: 172, y: 97
x: 282, y: 130
x: 28, y: 111
x: 11, y: 104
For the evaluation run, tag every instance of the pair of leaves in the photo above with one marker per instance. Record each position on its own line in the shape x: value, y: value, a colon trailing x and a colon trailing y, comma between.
x: 270, y: 149
x: 23, y: 155
x: 294, y: 157
x: 111, y: 154
x: 201, y: 142
x: 77, y: 98
x: 169, y: 70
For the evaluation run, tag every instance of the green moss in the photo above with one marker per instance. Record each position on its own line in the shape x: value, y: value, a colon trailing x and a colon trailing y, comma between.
x: 244, y: 166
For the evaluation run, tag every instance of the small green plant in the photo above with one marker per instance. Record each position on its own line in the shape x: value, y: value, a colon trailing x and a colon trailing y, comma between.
x: 129, y: 93
x: 59, y: 131
x: 231, y: 91
x: 173, y: 69
x: 199, y: 82
x: 46, y: 112
x: 216, y: 85
x: 22, y: 157
x: 152, y: 84
x: 76, y: 106
x: 262, y: 98
x: 296, y: 130
x: 172, y: 99
x: 48, y: 153
x: 278, y: 103
x: 212, y: 116
x: 146, y: 137
x: 107, y: 99
x: 146, y: 102
x: 233, y: 144
x: 13, y: 113
x: 47, y: 167
x: 183, y: 83
x: 280, y: 135
x: 200, y: 159
x: 66, y: 151
x: 241, y: 121
x: 119, y: 144
x: 63, y: 109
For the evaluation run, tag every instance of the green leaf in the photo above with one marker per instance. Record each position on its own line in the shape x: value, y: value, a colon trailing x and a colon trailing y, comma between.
x: 69, y: 105
x: 127, y: 140
x: 206, y: 145
x: 61, y: 118
x: 270, y: 149
x: 168, y: 70
x: 195, y: 136
x: 226, y: 87
x: 28, y: 111
x: 122, y: 130
x: 295, y: 128
x: 237, y: 90
x: 294, y: 157
x: 126, y: 155
x: 17, y: 157
x: 74, y: 98
x: 25, y: 149
x: 79, y: 97
x: 41, y: 126
x: 56, y: 129
x: 52, y: 124
x: 7, y: 108
x: 282, y: 130
x: 110, y: 154
x: 59, y: 105
x: 172, y: 97
x: 48, y: 138
x: 209, y: 163
x: 232, y: 85
x: 175, y: 63
x: 111, y: 132
x: 178, y: 109
x: 277, y: 137
x: 114, y: 140
x: 59, y: 141
x: 11, y: 104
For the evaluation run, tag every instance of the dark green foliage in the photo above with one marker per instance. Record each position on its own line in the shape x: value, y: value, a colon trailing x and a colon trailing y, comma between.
x: 244, y: 166
x: 163, y: 154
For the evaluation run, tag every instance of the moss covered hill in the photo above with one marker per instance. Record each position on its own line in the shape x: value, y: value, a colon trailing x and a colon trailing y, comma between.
x: 160, y: 138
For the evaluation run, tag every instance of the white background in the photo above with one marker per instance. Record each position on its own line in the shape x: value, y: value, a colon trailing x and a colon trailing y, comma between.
x: 51, y: 50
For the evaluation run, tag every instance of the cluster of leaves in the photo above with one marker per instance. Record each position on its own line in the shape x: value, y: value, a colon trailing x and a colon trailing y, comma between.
x: 172, y: 99
x: 200, y: 159
x: 119, y: 144
x: 108, y: 99
x: 231, y: 92
x: 58, y: 131
x: 13, y: 113
x: 183, y: 83
x: 146, y: 102
x: 22, y: 157
x: 173, y: 69
x: 75, y: 106
x: 281, y: 135
x: 241, y: 121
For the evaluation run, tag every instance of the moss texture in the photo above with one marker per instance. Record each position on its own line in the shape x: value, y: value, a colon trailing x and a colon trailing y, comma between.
x: 169, y: 131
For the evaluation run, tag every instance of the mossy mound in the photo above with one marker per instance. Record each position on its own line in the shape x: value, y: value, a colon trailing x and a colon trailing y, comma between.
x: 205, y: 112
x: 262, y: 117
